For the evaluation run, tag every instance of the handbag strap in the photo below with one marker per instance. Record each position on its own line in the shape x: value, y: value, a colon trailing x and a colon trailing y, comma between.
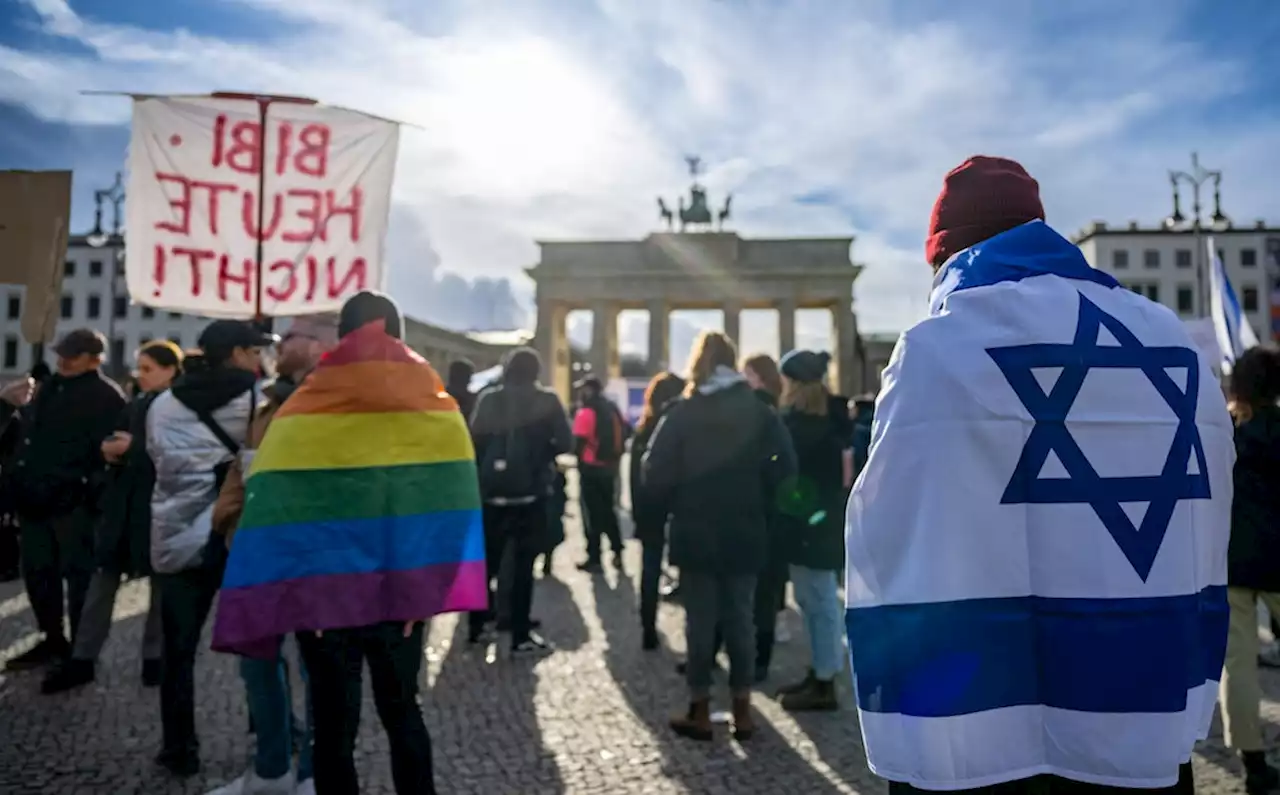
x: 217, y: 430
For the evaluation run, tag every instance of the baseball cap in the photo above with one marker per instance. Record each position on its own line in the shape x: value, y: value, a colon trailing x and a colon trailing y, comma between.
x: 221, y: 337
x: 81, y: 342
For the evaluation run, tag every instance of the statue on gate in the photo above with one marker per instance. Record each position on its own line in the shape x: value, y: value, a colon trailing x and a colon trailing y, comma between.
x: 697, y: 213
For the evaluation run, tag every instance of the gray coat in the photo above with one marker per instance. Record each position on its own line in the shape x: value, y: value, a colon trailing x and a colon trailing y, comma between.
x: 187, y: 455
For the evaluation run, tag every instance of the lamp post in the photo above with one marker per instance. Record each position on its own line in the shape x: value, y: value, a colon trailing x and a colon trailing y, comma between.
x: 97, y: 239
x: 1197, y: 177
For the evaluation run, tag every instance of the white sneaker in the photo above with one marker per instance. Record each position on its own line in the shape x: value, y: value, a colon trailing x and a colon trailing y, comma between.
x: 307, y: 787
x: 250, y: 784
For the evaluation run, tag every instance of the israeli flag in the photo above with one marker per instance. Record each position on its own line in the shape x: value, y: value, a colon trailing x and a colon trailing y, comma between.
x: 1235, y: 335
x: 1037, y: 545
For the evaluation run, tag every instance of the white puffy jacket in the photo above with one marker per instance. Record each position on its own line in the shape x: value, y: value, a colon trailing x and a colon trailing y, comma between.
x: 186, y: 454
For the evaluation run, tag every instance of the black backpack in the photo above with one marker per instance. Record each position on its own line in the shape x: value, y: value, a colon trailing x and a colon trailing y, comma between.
x: 507, y: 470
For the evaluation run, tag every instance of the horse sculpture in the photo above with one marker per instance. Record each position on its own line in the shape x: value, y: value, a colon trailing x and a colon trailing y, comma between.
x: 664, y: 213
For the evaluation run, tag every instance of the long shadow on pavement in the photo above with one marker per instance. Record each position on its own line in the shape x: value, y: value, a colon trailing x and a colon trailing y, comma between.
x: 484, y: 723
x: 770, y: 763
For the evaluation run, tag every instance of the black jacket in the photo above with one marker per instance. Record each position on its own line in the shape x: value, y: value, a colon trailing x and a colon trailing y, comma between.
x: 59, y: 466
x: 123, y: 541
x: 1253, y: 559
x: 714, y: 464
x: 647, y: 514
x: 535, y: 412
x: 811, y: 504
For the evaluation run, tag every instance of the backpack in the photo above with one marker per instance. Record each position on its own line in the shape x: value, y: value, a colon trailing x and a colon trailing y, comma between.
x: 507, y: 469
x: 611, y: 433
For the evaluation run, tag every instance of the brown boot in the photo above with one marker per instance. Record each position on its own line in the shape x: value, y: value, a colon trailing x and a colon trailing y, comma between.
x: 744, y: 725
x: 820, y: 696
x: 696, y: 723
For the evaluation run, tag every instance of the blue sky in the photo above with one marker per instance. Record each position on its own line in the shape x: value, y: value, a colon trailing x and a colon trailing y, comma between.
x: 564, y: 118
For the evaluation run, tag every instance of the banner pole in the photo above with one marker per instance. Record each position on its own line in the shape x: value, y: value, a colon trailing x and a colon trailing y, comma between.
x: 262, y: 205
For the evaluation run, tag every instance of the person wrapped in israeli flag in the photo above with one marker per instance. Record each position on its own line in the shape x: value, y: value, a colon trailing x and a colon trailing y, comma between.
x: 1037, y: 544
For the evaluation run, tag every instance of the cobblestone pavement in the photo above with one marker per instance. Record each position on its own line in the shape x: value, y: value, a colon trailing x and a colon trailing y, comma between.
x: 589, y: 719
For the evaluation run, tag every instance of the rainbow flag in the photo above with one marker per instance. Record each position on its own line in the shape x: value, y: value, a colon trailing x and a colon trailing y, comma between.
x: 361, y: 505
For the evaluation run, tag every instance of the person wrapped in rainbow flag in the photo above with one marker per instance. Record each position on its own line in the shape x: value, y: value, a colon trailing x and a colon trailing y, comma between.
x: 361, y: 520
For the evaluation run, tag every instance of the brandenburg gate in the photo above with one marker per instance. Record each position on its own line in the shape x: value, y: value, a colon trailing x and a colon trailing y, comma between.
x: 692, y: 269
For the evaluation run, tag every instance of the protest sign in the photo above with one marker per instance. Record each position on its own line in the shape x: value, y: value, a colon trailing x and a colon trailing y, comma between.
x: 197, y: 169
x: 35, y: 215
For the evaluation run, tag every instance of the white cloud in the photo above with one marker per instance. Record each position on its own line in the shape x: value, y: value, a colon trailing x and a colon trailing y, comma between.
x: 541, y: 120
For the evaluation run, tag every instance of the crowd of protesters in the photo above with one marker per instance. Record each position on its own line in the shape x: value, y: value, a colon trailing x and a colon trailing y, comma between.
x: 739, y: 474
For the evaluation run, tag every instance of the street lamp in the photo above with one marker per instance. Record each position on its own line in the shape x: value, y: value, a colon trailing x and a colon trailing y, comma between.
x: 1195, y: 178
x: 98, y: 238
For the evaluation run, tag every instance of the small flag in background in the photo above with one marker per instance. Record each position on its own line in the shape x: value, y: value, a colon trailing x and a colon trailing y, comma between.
x: 1235, y: 335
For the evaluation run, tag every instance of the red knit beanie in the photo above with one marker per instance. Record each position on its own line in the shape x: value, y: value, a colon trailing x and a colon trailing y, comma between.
x: 981, y: 197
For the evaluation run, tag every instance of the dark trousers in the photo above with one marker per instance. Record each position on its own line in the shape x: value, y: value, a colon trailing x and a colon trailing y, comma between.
x: 8, y: 546
x: 771, y: 586
x: 185, y: 601
x: 650, y: 578
x: 335, y: 663
x: 53, y: 550
x: 1054, y: 785
x: 596, y: 486
x: 522, y: 528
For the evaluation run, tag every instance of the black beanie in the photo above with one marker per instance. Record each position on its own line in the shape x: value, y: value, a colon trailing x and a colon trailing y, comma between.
x: 367, y: 306
x: 805, y: 366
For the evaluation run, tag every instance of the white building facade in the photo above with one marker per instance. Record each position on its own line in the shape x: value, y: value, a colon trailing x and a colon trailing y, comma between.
x: 90, y: 301
x: 1162, y: 265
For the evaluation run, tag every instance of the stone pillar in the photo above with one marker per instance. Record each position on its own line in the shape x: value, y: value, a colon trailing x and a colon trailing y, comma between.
x: 733, y: 322
x: 552, y: 345
x: 786, y: 327
x: 845, y: 359
x: 659, y: 344
x: 604, y: 341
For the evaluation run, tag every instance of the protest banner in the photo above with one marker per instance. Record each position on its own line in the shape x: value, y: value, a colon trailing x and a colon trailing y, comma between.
x: 202, y: 240
x: 35, y: 217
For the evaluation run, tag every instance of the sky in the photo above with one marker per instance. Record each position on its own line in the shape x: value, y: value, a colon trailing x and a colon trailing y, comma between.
x: 564, y: 119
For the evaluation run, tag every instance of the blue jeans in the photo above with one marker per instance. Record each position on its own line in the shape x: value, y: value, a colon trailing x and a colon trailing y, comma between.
x: 819, y: 600
x: 267, y: 685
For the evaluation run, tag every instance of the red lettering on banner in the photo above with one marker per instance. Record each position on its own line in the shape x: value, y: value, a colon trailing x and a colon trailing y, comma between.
x: 219, y: 130
x: 183, y: 205
x: 358, y: 273
x: 226, y: 276
x: 282, y: 146
x: 291, y: 284
x: 313, y: 156
x: 309, y: 212
x: 352, y: 210
x: 246, y: 140
x: 249, y: 212
x: 313, y: 278
x: 214, y: 189
x: 196, y: 257
x: 158, y: 271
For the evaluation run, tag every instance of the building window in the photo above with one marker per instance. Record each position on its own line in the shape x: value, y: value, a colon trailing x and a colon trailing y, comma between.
x: 117, y: 351
x: 122, y: 306
x: 15, y: 307
x: 94, y: 307
x: 95, y: 268
x: 144, y: 339
x: 11, y: 353
x: 1182, y: 258
x: 176, y: 340
x: 119, y: 267
x: 1120, y: 258
x: 1151, y: 258
x: 69, y: 268
x: 1153, y: 292
x: 1186, y: 299
x: 148, y: 313
x: 68, y: 307
x: 175, y: 316
x: 1249, y: 257
x: 1249, y: 299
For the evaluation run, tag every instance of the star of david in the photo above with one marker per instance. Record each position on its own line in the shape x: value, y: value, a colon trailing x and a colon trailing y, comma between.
x: 1050, y: 434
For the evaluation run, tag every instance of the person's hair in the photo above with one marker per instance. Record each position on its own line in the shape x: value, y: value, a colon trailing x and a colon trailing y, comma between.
x: 163, y: 353
x: 368, y: 306
x: 662, y: 389
x: 806, y: 397
x: 711, y: 350
x: 1254, y: 382
x: 763, y: 365
x: 460, y: 373
x: 521, y: 368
